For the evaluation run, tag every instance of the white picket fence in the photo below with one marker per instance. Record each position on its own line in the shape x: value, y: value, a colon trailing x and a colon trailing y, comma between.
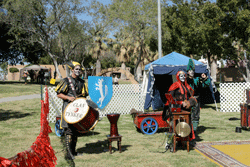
x: 231, y: 95
x: 125, y: 97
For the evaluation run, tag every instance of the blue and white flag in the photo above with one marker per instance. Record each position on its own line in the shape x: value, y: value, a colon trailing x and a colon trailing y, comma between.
x: 100, y: 90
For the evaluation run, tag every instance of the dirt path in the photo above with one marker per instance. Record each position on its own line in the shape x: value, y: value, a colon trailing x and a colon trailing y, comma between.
x: 25, y: 97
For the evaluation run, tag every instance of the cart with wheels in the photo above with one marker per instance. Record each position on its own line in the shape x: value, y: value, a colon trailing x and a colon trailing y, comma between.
x: 149, y: 122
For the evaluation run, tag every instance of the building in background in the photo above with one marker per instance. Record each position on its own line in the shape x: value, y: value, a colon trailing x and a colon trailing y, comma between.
x: 18, y: 76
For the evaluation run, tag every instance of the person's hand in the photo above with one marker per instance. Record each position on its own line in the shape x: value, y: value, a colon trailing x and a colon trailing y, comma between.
x: 186, y: 104
x: 70, y: 98
x: 203, y: 75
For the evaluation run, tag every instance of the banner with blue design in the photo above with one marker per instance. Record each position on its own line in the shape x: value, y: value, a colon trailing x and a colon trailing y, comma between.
x: 100, y: 90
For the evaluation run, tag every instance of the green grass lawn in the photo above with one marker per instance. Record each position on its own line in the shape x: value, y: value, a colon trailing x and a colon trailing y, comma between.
x: 20, y: 125
x: 11, y: 90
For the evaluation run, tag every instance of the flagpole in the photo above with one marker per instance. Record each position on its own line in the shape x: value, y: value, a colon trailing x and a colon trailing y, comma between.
x: 159, y: 28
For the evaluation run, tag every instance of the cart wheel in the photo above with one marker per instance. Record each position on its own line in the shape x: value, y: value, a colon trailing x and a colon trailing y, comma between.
x: 149, y: 126
x: 59, y: 132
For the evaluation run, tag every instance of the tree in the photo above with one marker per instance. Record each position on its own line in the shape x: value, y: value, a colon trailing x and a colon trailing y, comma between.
x: 51, y: 23
x: 108, y: 60
x: 180, y: 29
x: 13, y: 51
x: 4, y: 67
x: 195, y: 28
x: 98, y: 44
x: 236, y: 24
x: 135, y: 17
x: 13, y: 70
x: 192, y: 28
x: 127, y: 48
x: 8, y: 52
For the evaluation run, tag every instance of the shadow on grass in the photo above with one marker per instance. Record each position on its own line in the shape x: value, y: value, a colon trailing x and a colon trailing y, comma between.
x: 233, y: 119
x: 91, y: 133
x: 100, y: 147
x: 202, y: 129
x: 163, y: 130
x: 209, y: 106
x: 9, y: 114
x: 160, y: 130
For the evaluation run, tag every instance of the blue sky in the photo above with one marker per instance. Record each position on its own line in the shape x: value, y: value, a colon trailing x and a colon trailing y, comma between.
x: 88, y: 18
x: 106, y: 2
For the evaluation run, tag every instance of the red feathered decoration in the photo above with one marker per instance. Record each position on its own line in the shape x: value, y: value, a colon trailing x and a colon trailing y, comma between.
x: 40, y: 154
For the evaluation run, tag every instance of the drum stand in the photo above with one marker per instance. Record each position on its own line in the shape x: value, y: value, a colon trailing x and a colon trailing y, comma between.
x: 114, y: 136
x: 176, y: 117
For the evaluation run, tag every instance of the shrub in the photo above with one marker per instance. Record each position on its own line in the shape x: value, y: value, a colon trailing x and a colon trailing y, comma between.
x: 13, y: 70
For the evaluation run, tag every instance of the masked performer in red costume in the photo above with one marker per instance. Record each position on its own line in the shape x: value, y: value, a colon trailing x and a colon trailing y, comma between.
x: 182, y: 93
x: 68, y: 89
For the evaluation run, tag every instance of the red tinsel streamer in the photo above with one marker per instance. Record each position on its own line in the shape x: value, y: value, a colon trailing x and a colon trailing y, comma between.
x: 40, y: 154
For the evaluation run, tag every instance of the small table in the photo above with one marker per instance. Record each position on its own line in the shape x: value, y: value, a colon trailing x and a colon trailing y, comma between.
x: 115, y: 138
x: 176, y: 117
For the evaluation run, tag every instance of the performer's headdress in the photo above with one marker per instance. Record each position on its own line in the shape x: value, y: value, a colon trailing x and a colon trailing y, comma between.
x: 178, y: 84
x: 191, y: 65
x: 72, y: 65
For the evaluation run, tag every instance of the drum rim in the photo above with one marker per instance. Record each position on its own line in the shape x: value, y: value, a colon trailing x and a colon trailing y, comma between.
x: 89, y: 128
x: 79, y: 119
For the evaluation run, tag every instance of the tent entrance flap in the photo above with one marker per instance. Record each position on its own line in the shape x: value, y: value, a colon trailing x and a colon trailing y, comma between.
x: 162, y: 84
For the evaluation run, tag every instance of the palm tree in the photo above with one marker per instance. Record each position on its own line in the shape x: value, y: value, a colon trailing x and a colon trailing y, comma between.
x: 128, y: 47
x: 98, y: 45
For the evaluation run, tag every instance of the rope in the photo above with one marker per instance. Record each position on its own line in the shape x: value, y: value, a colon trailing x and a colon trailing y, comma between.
x: 163, y: 140
x: 160, y: 146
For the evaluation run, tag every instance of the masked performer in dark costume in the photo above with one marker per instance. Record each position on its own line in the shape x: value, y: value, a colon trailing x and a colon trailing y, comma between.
x: 68, y: 92
x: 197, y: 84
x: 182, y: 93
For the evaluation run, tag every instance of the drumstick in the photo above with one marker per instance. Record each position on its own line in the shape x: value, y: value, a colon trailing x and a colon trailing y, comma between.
x: 79, y: 95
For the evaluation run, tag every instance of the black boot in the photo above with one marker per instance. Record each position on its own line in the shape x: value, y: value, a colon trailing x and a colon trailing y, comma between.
x: 69, y: 153
x: 74, y: 141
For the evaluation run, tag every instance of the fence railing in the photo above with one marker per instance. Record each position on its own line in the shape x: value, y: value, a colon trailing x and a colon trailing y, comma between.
x: 125, y: 97
x: 231, y: 95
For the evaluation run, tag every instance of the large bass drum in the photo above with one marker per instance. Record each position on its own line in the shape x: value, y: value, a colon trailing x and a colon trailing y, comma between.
x: 81, y: 115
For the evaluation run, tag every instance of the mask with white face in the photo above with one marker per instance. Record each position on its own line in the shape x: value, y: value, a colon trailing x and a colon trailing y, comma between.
x: 77, y: 71
x: 191, y: 73
x: 182, y: 77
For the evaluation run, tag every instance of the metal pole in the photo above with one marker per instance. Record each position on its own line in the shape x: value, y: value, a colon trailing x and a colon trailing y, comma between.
x: 41, y: 92
x: 159, y: 28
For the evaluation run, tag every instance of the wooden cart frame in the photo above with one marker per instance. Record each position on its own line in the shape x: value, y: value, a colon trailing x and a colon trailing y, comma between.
x: 149, y: 122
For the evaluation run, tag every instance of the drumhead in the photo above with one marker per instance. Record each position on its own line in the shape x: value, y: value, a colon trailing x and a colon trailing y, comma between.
x: 76, y: 110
